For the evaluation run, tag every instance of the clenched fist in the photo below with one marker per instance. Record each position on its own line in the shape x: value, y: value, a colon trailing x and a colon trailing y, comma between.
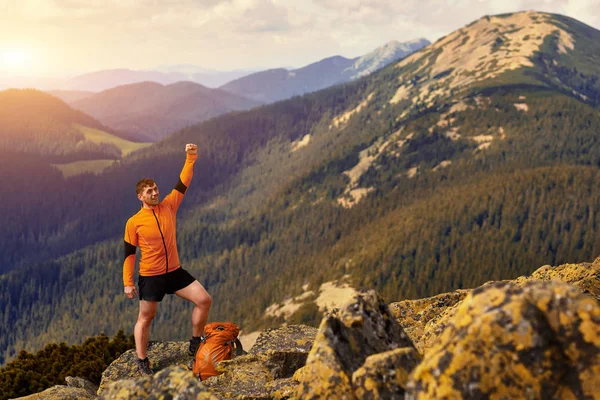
x: 191, y: 148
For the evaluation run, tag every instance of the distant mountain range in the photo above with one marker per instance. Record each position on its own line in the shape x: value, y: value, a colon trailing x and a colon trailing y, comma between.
x: 278, y: 84
x: 150, y: 111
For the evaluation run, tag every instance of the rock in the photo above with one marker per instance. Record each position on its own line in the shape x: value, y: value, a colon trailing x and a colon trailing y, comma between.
x: 419, y: 318
x: 287, y: 348
x: 244, y: 377
x: 82, y: 383
x: 282, y: 389
x: 171, y: 382
x: 61, y: 392
x: 345, y: 339
x: 584, y: 276
x: 266, y: 370
x: 385, y: 375
x: 161, y: 355
x: 425, y: 319
x: 538, y: 340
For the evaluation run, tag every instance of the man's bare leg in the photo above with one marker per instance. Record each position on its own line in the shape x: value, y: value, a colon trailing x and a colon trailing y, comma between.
x: 196, y: 293
x: 142, y: 327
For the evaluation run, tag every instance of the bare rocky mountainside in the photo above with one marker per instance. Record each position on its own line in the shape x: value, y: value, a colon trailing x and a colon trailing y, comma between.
x: 474, y: 159
x: 535, y: 337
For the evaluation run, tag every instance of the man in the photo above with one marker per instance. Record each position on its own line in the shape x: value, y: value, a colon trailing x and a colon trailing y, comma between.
x: 153, y: 230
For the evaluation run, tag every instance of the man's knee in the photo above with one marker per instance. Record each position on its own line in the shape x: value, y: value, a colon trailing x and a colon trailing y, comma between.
x: 203, y: 301
x: 145, y: 318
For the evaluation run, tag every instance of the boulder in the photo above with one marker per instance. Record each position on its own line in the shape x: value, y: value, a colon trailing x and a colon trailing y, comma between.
x: 385, y: 375
x: 82, y: 383
x: 345, y: 339
x: 171, y: 382
x: 160, y: 354
x: 266, y: 371
x: 425, y: 319
x: 61, y: 392
x: 584, y: 276
x: 76, y: 389
x: 419, y: 318
x: 539, y: 340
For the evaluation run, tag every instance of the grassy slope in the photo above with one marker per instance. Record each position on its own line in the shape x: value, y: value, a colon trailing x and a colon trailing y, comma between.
x: 96, y: 166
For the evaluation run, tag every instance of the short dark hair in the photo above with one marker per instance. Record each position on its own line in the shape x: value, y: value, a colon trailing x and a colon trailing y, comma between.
x: 142, y: 184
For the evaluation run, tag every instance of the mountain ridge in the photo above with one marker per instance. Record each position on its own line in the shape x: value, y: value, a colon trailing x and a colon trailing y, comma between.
x: 151, y: 110
x: 280, y: 83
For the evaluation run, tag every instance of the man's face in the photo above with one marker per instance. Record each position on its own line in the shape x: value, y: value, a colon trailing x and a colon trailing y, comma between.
x: 149, y: 195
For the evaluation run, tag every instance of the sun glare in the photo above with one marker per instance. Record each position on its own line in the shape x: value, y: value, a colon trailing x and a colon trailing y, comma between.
x: 14, y: 59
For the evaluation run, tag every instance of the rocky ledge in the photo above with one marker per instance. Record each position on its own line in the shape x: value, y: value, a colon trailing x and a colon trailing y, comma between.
x: 536, y: 337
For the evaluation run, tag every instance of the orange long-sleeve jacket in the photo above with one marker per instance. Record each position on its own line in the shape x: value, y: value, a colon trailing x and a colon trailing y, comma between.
x: 153, y: 230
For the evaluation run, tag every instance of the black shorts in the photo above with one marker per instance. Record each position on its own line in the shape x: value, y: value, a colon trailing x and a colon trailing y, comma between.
x: 154, y: 288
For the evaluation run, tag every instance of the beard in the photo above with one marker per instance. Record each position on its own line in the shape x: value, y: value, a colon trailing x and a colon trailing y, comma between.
x: 152, y: 201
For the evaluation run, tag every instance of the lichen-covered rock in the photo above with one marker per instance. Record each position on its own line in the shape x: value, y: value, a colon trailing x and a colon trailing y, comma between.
x: 385, y: 375
x: 281, y: 389
x: 61, y: 392
x: 584, y: 276
x: 171, y: 382
x: 419, y: 318
x: 285, y: 338
x: 425, y: 319
x: 160, y: 354
x: 286, y: 348
x: 534, y: 341
x: 82, y: 383
x: 345, y: 339
x: 244, y: 377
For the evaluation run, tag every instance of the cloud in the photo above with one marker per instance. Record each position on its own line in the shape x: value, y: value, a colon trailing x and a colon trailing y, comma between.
x: 230, y: 34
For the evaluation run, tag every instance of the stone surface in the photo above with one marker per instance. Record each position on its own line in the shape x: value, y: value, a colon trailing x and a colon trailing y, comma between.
x: 160, y: 354
x: 287, y: 348
x: 244, y: 377
x: 419, y: 318
x: 425, y: 319
x: 584, y: 276
x: 345, y: 339
x: 385, y: 375
x: 282, y: 389
x: 537, y: 341
x: 170, y: 383
x: 61, y: 392
x: 82, y: 383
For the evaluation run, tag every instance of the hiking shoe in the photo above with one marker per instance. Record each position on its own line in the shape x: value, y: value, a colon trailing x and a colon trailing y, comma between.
x: 144, y: 366
x: 195, y: 342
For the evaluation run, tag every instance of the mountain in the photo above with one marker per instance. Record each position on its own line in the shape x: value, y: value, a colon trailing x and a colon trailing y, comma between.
x: 150, y: 111
x: 106, y: 79
x: 70, y: 96
x: 278, y: 84
x: 476, y: 158
x: 207, y: 77
x: 34, y: 123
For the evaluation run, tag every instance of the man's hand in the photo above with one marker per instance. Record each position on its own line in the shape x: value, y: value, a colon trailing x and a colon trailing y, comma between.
x: 131, y: 292
x: 191, y: 148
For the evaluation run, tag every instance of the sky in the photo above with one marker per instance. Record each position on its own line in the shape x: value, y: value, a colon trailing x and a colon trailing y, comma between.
x: 65, y: 37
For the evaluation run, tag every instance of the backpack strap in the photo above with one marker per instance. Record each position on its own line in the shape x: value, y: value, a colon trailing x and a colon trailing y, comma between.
x: 239, y: 349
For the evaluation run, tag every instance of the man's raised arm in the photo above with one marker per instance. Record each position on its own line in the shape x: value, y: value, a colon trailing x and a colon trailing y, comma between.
x: 174, y: 198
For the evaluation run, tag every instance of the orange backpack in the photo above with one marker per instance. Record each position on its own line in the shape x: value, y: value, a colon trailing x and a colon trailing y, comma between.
x: 218, y: 345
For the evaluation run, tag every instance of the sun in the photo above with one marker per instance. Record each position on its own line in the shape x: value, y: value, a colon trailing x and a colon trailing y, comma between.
x: 14, y: 59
